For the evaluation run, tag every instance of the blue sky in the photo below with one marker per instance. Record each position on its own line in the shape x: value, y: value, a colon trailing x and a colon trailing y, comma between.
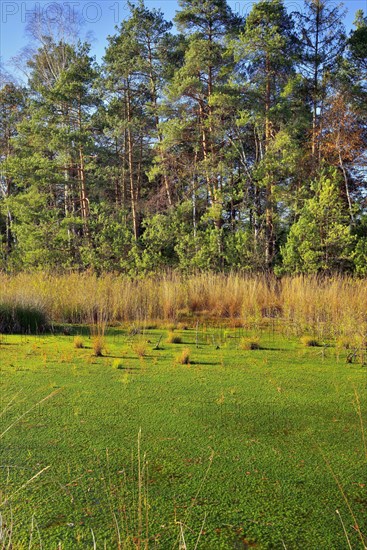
x: 101, y: 17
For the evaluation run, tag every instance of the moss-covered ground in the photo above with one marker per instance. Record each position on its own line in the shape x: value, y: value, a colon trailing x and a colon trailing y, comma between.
x: 238, y: 449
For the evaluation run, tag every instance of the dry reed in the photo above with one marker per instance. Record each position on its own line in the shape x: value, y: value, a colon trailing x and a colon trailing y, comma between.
x: 140, y: 348
x: 184, y: 357
x: 326, y: 307
x: 98, y: 345
x: 247, y: 344
x: 173, y: 338
x: 78, y: 342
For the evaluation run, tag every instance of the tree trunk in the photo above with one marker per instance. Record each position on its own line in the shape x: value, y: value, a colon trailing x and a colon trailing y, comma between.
x: 153, y: 90
x: 133, y: 194
x: 347, y: 192
x: 315, y: 88
x: 204, y: 142
x: 84, y: 201
x: 83, y: 188
x: 269, y: 214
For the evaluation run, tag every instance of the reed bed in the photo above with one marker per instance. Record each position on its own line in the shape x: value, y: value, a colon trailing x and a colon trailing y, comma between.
x: 335, y: 306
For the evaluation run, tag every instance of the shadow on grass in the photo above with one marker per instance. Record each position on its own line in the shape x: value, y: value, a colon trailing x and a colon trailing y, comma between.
x: 9, y: 343
x: 207, y: 363
x: 128, y: 369
x: 270, y: 349
x: 129, y: 357
x: 261, y: 348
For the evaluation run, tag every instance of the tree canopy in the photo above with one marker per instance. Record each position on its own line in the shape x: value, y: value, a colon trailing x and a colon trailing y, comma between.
x: 227, y: 143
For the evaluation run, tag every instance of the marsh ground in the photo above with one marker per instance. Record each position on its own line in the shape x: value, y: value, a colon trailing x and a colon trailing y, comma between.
x: 238, y: 448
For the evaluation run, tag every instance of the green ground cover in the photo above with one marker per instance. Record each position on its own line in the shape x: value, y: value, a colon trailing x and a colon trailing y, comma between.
x: 246, y: 448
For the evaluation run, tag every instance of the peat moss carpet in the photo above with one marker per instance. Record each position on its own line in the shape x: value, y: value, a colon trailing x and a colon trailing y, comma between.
x: 238, y: 449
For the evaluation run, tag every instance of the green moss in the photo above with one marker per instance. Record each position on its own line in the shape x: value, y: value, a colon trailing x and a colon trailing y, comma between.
x: 239, y: 439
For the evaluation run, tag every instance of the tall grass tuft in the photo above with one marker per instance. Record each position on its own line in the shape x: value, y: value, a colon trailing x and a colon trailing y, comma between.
x: 310, y: 342
x: 99, y: 314
x: 98, y: 345
x: 184, y: 357
x: 249, y: 343
x: 140, y: 348
x: 78, y: 342
x: 173, y: 338
x: 129, y: 502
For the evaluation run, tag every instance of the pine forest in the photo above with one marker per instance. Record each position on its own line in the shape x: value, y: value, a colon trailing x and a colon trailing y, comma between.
x: 214, y: 142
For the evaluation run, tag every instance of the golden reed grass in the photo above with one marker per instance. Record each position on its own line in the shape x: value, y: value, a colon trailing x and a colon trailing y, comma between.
x: 322, y: 306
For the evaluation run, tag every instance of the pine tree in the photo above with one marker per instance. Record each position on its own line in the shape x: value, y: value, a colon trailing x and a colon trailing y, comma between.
x: 200, y: 94
x: 321, y: 239
x: 54, y: 149
x: 134, y: 78
x: 266, y: 54
x: 357, y: 43
x: 206, y: 149
x: 12, y: 103
x: 322, y: 38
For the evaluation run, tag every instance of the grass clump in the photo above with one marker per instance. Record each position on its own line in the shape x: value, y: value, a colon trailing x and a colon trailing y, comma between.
x: 173, y: 338
x: 310, y: 342
x: 98, y: 345
x: 117, y: 364
x: 250, y: 344
x: 134, y: 330
x: 140, y: 348
x: 78, y: 342
x: 184, y: 357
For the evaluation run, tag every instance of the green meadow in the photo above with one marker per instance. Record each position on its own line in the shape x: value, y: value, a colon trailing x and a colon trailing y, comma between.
x: 238, y: 449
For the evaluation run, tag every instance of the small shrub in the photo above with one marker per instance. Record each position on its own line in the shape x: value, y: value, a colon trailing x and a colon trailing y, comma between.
x: 140, y: 348
x: 310, y: 342
x: 118, y: 364
x: 98, y: 345
x: 250, y: 344
x: 184, y: 357
x: 78, y: 342
x: 172, y: 338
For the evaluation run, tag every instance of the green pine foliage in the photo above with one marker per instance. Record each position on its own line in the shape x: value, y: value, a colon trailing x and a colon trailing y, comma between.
x: 217, y: 145
x: 321, y: 239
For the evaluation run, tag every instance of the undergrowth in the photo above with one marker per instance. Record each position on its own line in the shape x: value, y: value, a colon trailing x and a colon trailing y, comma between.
x: 22, y: 319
